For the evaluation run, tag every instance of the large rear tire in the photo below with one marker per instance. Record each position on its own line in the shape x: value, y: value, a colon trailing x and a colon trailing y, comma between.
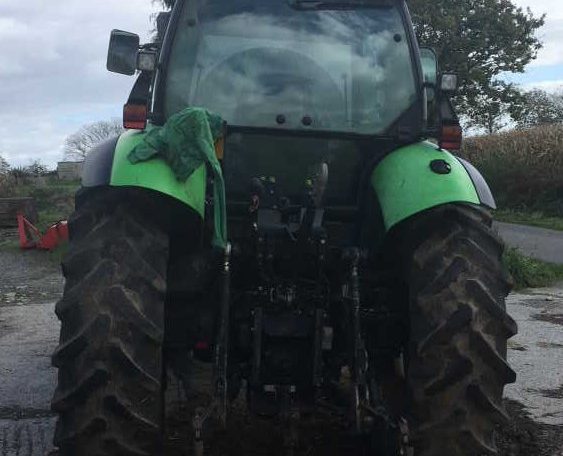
x: 109, y: 393
x: 457, y: 365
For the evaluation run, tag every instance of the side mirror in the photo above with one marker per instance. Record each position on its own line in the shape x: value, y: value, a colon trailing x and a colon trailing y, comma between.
x: 122, y: 53
x: 429, y: 63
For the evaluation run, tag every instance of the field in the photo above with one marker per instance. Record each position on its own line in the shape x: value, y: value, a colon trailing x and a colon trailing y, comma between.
x: 524, y: 169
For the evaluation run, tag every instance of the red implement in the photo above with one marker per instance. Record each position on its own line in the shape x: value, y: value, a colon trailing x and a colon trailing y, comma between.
x: 31, y: 238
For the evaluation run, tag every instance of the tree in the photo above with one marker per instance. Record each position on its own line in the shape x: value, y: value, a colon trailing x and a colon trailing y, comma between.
x: 479, y: 40
x: 4, y: 166
x: 5, y: 181
x: 497, y: 106
x: 36, y: 168
x: 19, y: 172
x: 78, y: 145
x: 539, y: 107
x: 166, y: 3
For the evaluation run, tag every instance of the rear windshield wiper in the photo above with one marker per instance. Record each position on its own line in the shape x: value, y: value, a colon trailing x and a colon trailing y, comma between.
x: 338, y: 4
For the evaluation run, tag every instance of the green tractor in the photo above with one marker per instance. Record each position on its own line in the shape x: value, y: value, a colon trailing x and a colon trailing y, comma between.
x: 359, y: 271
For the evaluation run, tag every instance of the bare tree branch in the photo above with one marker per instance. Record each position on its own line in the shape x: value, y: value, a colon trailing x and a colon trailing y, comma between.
x: 4, y: 166
x: 79, y: 144
x: 166, y: 3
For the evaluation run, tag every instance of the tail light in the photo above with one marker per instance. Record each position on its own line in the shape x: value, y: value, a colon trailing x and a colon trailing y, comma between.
x: 135, y: 116
x: 220, y: 148
x: 451, y: 137
x: 202, y: 345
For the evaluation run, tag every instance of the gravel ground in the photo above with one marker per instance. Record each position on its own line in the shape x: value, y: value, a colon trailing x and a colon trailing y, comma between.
x: 536, y: 353
x: 31, y: 283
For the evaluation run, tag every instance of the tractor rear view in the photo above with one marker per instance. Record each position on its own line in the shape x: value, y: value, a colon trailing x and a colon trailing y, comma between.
x: 276, y: 218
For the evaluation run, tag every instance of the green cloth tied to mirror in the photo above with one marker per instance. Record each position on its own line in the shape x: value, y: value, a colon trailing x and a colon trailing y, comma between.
x: 186, y: 142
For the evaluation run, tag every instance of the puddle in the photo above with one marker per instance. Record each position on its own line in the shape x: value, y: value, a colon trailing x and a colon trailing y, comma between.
x: 556, y: 393
x: 549, y: 345
x: 556, y: 319
x: 18, y: 413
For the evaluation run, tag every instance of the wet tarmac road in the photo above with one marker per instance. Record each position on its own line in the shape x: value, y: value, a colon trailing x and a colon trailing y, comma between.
x: 540, y: 243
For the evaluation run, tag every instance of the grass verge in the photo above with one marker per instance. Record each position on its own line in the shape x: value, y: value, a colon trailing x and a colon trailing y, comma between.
x: 530, y: 273
x: 9, y: 245
x: 534, y: 218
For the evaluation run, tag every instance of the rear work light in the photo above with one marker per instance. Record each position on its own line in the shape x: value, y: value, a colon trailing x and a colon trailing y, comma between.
x: 135, y: 116
x: 451, y: 137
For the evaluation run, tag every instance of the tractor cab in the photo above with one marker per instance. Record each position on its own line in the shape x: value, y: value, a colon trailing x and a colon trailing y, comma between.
x: 293, y: 65
x: 299, y: 83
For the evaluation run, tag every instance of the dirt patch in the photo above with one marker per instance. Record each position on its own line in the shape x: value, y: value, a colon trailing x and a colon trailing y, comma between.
x: 252, y: 436
x: 543, y: 302
x: 523, y: 436
x: 512, y: 345
x: 19, y: 413
x: 28, y: 276
x: 549, y: 345
x: 556, y: 319
x: 555, y: 393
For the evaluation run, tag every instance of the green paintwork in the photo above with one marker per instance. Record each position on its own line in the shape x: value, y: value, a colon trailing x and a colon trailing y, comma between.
x: 403, y: 181
x: 156, y: 175
x: 405, y: 185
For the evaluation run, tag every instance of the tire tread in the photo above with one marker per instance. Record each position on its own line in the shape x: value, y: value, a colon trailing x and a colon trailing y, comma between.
x: 459, y: 330
x: 112, y: 330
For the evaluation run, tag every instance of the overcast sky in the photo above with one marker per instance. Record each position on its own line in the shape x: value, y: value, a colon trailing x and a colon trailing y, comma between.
x: 53, y: 78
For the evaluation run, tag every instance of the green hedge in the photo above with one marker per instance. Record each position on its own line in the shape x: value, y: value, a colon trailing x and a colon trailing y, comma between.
x: 524, y: 167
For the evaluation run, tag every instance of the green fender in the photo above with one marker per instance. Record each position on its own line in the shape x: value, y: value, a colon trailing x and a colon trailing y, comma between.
x: 155, y: 174
x: 405, y: 184
x: 403, y: 181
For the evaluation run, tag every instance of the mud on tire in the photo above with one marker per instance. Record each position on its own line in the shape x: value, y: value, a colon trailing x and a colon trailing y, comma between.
x: 457, y: 365
x: 112, y: 313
